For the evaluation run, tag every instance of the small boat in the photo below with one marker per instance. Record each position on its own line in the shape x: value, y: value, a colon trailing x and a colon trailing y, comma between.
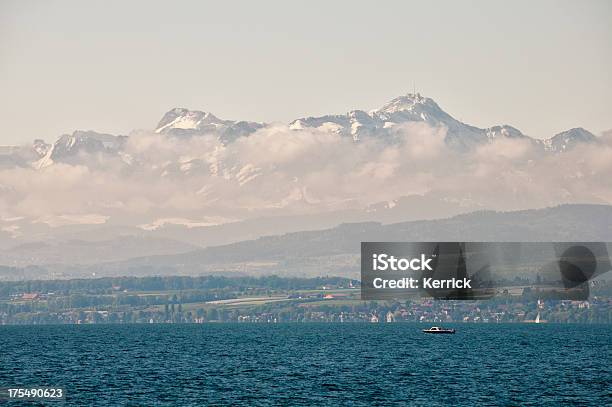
x: 438, y: 330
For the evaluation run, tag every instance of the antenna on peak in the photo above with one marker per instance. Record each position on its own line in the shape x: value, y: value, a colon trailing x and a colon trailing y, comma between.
x: 413, y: 88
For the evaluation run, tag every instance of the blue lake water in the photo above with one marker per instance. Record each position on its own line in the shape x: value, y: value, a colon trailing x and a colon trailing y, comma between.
x: 312, y: 364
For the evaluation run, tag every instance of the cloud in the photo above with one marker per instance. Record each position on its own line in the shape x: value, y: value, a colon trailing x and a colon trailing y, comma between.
x: 278, y: 171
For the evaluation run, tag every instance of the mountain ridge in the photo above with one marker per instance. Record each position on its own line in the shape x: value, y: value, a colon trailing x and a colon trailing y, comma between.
x: 326, y: 251
x: 335, y: 251
x: 356, y: 124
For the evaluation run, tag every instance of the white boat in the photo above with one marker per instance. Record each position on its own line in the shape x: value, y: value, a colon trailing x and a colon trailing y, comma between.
x: 438, y: 330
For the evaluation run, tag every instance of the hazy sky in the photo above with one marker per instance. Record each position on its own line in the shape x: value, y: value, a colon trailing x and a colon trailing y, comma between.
x: 114, y: 66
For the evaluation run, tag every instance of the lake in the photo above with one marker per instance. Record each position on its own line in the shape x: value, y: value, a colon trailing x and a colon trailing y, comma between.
x: 312, y: 364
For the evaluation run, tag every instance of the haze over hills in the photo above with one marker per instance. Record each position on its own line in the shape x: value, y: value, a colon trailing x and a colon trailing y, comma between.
x: 89, y: 251
x: 335, y: 251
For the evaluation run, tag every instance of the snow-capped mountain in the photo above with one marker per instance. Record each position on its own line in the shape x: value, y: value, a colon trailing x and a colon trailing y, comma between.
x: 195, y: 170
x: 496, y: 132
x: 68, y: 147
x: 403, y: 109
x: 40, y: 147
x: 417, y: 108
x: 184, y: 122
x: 356, y: 124
x: 569, y: 139
x: 22, y: 156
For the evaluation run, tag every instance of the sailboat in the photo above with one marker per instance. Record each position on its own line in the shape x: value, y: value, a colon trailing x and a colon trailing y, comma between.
x: 537, y: 320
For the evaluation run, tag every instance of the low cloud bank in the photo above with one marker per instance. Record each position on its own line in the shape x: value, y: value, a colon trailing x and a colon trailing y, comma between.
x: 278, y: 171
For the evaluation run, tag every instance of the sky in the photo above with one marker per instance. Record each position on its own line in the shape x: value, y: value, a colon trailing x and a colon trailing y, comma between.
x: 115, y: 66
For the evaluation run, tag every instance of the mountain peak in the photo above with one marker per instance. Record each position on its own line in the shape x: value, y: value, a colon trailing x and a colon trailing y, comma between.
x: 578, y: 132
x: 569, y: 139
x: 181, y: 122
x: 69, y: 146
x: 407, y: 102
x: 185, y: 119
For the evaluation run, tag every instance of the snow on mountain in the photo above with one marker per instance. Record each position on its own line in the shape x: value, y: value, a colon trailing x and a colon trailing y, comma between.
x: 356, y: 124
x: 414, y: 107
x: 22, y: 156
x: 569, y: 139
x: 497, y: 132
x: 184, y: 122
x: 405, y: 109
x: 68, y: 147
x: 40, y: 147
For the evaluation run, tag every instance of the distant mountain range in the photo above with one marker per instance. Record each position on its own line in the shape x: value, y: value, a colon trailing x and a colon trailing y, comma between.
x: 416, y: 108
x: 356, y: 124
x: 85, y: 244
x: 196, y: 181
x: 335, y: 251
